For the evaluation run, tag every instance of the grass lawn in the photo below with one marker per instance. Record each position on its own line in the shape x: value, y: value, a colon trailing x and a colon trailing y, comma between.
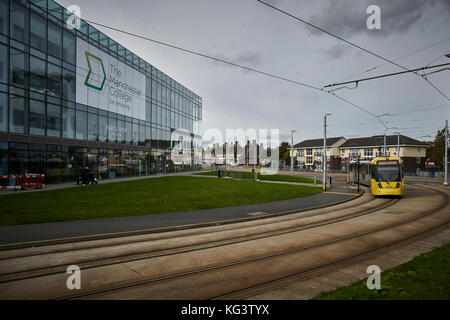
x: 425, y: 277
x: 273, y: 177
x: 139, y: 197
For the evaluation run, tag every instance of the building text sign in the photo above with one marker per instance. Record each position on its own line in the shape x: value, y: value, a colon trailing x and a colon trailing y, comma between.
x: 106, y: 83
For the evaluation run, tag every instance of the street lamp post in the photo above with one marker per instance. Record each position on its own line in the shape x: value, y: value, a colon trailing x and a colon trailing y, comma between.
x: 398, y: 144
x: 385, y: 152
x: 445, y: 152
x: 292, y: 151
x: 324, y: 182
x: 358, y: 170
x: 357, y: 155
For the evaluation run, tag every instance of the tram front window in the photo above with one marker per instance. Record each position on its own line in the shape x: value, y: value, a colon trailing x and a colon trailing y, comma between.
x: 388, y: 173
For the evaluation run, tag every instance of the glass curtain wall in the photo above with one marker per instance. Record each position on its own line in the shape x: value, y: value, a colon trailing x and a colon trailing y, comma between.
x: 38, y: 98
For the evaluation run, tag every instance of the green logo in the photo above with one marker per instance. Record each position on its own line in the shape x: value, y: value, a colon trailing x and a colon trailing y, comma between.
x: 86, y: 82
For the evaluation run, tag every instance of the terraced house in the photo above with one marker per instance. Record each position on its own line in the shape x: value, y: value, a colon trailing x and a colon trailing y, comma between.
x: 411, y: 151
x: 309, y: 153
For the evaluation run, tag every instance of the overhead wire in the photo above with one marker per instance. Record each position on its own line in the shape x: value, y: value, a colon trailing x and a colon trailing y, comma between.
x: 230, y: 63
x: 399, y: 58
x: 350, y: 43
x: 260, y: 71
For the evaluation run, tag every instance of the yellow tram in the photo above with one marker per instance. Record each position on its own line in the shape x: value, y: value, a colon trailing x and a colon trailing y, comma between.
x: 384, y: 175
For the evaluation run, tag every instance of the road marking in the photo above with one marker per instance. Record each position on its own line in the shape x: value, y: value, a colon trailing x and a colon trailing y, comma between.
x: 256, y: 213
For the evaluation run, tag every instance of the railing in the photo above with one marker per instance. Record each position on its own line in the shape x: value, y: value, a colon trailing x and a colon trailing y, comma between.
x: 20, y: 182
x: 432, y: 173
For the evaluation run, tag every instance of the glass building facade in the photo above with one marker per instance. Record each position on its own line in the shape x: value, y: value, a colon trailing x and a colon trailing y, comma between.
x: 43, y: 126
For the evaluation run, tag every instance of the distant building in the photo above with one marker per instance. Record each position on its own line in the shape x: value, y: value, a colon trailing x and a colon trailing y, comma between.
x: 412, y: 151
x: 309, y: 153
x: 232, y: 153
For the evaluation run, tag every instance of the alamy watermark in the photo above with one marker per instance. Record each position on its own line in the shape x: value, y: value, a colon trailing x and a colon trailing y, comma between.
x: 235, y: 147
x: 374, y: 20
x: 74, y: 280
x: 374, y: 281
x: 74, y: 21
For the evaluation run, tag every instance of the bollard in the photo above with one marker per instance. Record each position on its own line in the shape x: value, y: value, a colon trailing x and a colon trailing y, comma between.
x: 315, y: 180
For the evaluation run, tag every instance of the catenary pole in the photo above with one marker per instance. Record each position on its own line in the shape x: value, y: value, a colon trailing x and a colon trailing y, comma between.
x: 445, y: 152
x: 292, y: 152
x: 324, y: 182
x: 398, y: 144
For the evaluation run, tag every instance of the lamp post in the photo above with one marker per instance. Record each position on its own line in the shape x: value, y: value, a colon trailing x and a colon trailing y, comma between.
x: 385, y: 152
x: 446, y: 146
x: 357, y: 155
x: 324, y: 182
x: 445, y: 152
x: 292, y: 151
x: 398, y: 144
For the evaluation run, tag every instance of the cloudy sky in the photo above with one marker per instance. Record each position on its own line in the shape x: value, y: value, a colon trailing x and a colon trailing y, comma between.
x: 249, y: 33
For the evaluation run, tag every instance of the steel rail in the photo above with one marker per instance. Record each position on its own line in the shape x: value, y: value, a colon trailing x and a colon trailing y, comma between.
x: 265, y: 257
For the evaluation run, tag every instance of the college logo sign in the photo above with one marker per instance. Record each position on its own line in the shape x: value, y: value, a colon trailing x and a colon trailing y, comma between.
x: 106, y: 83
x: 90, y: 82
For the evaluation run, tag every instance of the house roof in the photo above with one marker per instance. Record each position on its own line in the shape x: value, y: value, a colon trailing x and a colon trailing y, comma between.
x: 379, y: 141
x: 317, y: 142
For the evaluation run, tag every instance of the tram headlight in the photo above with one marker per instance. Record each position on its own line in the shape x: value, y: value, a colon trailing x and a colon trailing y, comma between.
x: 398, y: 185
x: 379, y: 185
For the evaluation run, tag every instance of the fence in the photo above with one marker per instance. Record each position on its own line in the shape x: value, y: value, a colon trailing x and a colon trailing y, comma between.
x: 20, y: 182
x: 432, y: 173
x: 408, y: 172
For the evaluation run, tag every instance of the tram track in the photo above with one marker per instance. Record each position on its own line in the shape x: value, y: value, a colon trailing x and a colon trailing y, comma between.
x: 335, y: 263
x: 258, y: 289
x: 250, y: 260
x: 205, y: 244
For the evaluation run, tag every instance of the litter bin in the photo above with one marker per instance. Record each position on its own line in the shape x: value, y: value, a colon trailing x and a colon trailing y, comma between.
x: 254, y: 174
x: 221, y: 173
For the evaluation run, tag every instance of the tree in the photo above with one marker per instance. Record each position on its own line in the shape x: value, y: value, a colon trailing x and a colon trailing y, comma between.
x: 436, y: 151
x: 284, y: 153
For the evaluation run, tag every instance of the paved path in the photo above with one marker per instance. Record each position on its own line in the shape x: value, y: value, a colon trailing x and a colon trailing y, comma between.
x: 57, y: 230
x: 268, y: 181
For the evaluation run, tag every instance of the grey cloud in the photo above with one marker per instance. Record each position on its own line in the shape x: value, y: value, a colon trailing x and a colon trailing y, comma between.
x: 348, y: 17
x: 247, y: 59
x: 251, y: 34
x: 335, y: 51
